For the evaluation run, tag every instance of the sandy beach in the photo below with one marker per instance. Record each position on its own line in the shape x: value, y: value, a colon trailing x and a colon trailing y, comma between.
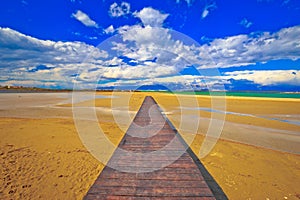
x: 43, y: 157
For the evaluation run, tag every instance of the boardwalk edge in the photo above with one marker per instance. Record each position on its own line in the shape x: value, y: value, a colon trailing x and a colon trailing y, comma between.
x: 211, y: 182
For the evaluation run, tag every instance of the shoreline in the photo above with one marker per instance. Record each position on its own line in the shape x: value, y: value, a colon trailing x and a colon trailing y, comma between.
x: 237, y: 97
x: 22, y: 91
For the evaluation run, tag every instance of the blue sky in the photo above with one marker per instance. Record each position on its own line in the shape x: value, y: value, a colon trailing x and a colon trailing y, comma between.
x: 178, y: 44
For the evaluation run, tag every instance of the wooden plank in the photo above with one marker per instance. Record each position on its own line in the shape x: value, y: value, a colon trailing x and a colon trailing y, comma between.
x: 151, y: 145
x: 115, y: 197
x: 152, y: 183
x: 152, y: 191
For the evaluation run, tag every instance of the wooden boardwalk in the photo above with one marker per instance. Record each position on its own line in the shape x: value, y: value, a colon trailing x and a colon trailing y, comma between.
x: 154, y: 162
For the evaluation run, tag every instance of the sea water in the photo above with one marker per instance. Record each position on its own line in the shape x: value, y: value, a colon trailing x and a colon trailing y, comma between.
x: 246, y: 94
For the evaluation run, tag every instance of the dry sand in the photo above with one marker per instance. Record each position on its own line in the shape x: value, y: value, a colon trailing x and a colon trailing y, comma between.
x: 42, y: 156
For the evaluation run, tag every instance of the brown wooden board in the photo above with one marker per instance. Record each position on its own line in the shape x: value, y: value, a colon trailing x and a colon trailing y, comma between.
x: 149, y: 143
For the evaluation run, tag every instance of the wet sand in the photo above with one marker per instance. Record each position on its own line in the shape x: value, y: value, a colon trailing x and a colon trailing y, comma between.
x: 41, y: 154
x: 256, y: 157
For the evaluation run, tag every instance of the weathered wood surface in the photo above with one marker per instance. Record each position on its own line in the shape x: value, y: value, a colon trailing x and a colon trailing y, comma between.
x: 152, y: 163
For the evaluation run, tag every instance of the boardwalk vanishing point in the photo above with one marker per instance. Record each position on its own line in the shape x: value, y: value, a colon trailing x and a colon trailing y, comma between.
x: 153, y: 161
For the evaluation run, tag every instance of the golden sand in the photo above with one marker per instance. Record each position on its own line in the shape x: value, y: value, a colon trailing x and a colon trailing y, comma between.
x: 247, y: 171
x: 42, y: 156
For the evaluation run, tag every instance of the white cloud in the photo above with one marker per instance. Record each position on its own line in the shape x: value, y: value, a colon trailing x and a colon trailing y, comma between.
x: 176, y: 82
x: 209, y: 6
x: 245, y: 23
x: 84, y: 19
x: 151, y: 17
x: 147, y: 71
x: 148, y: 43
x: 93, y: 37
x: 189, y: 2
x: 205, y: 13
x: 146, y: 35
x: 20, y: 54
x: 115, y: 61
x: 117, y: 10
x: 109, y: 29
x: 249, y: 49
x: 267, y: 77
x: 156, y: 54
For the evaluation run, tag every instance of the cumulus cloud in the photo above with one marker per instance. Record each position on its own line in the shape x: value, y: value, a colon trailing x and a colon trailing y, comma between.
x: 109, y: 29
x: 146, y: 35
x: 27, y: 48
x: 266, y: 77
x: 116, y: 10
x: 84, y: 19
x: 149, y: 47
x: 151, y: 17
x: 142, y: 44
x: 245, y: 23
x: 155, y: 43
x: 21, y: 54
x: 146, y: 71
x: 148, y: 54
x: 243, y: 50
x: 239, y: 50
x: 175, y: 82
